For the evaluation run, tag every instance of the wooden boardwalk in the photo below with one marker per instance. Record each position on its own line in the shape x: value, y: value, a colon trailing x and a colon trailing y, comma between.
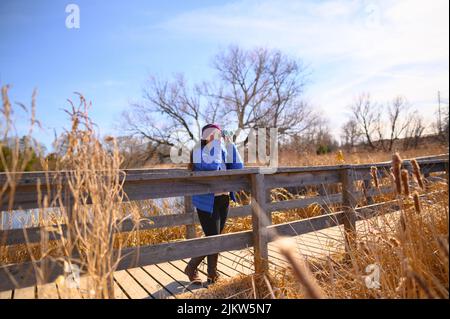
x: 167, y: 280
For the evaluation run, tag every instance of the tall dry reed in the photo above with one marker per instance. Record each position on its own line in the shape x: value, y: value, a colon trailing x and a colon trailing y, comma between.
x: 86, y: 195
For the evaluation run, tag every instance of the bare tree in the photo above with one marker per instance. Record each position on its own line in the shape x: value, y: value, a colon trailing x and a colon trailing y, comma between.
x: 366, y: 114
x: 170, y: 113
x: 397, y: 113
x: 383, y: 125
x: 245, y: 83
x: 413, y: 131
x: 351, y: 133
x: 263, y: 88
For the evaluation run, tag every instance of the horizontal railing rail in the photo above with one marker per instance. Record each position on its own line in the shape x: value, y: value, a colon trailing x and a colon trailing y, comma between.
x: 151, y: 184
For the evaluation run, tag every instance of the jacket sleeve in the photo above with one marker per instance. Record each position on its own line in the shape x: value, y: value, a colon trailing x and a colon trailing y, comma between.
x: 209, y: 158
x: 234, y: 160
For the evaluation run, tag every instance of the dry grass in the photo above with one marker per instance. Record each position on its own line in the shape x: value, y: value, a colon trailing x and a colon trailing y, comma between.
x: 92, y: 178
x: 361, y: 157
x: 412, y: 262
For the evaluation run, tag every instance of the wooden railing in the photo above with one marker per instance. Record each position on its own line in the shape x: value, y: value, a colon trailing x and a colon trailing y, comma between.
x: 144, y: 184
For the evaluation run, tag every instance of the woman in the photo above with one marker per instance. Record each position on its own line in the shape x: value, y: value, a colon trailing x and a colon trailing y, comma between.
x: 213, y: 154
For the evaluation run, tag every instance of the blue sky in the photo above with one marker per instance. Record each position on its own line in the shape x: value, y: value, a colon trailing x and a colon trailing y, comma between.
x: 384, y: 47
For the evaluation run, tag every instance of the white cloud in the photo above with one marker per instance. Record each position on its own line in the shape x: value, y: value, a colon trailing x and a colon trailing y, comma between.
x: 385, y: 47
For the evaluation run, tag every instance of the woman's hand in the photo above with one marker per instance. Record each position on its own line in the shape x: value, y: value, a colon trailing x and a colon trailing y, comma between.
x: 227, y: 137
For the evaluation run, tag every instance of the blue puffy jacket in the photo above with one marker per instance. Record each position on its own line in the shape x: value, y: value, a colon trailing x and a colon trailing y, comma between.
x: 214, y: 157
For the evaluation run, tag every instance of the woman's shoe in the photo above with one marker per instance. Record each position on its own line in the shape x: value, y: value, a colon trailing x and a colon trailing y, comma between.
x: 213, y: 275
x: 192, y: 274
x: 213, y: 279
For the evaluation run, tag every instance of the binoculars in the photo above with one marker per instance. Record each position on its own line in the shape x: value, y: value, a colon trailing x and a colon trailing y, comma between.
x: 226, y: 133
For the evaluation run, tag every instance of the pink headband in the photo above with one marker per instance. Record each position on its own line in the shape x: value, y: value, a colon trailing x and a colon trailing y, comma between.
x: 211, y: 126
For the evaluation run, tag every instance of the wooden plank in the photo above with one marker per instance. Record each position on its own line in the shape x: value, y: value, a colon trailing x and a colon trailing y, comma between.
x: 311, y: 245
x: 23, y: 274
x: 178, y: 276
x: 225, y: 267
x: 130, y: 285
x: 34, y: 234
x: 310, y: 250
x: 6, y: 294
x: 304, y: 226
x: 303, y: 251
x: 387, y: 165
x: 380, y: 191
x: 278, y: 261
x: 25, y: 293
x: 28, y: 235
x: 68, y: 292
x: 154, y: 254
x: 31, y: 178
x: 118, y: 292
x: 161, y: 174
x: 183, y: 187
x: 26, y: 196
x: 242, y: 261
x: 141, y: 185
x: 321, y: 239
x: 301, y: 179
x: 145, y: 280
x: 133, y: 175
x: 47, y: 291
x: 167, y: 283
x: 85, y: 288
x: 304, y: 202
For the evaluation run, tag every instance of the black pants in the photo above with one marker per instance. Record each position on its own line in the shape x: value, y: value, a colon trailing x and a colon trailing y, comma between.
x: 212, y: 224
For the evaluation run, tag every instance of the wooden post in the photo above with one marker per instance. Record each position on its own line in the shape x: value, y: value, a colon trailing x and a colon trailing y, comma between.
x: 260, y: 220
x: 349, y: 203
x: 446, y: 170
x: 367, y: 188
x: 189, y: 209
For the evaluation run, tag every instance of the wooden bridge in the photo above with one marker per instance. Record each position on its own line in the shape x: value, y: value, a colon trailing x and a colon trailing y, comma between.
x: 156, y: 271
